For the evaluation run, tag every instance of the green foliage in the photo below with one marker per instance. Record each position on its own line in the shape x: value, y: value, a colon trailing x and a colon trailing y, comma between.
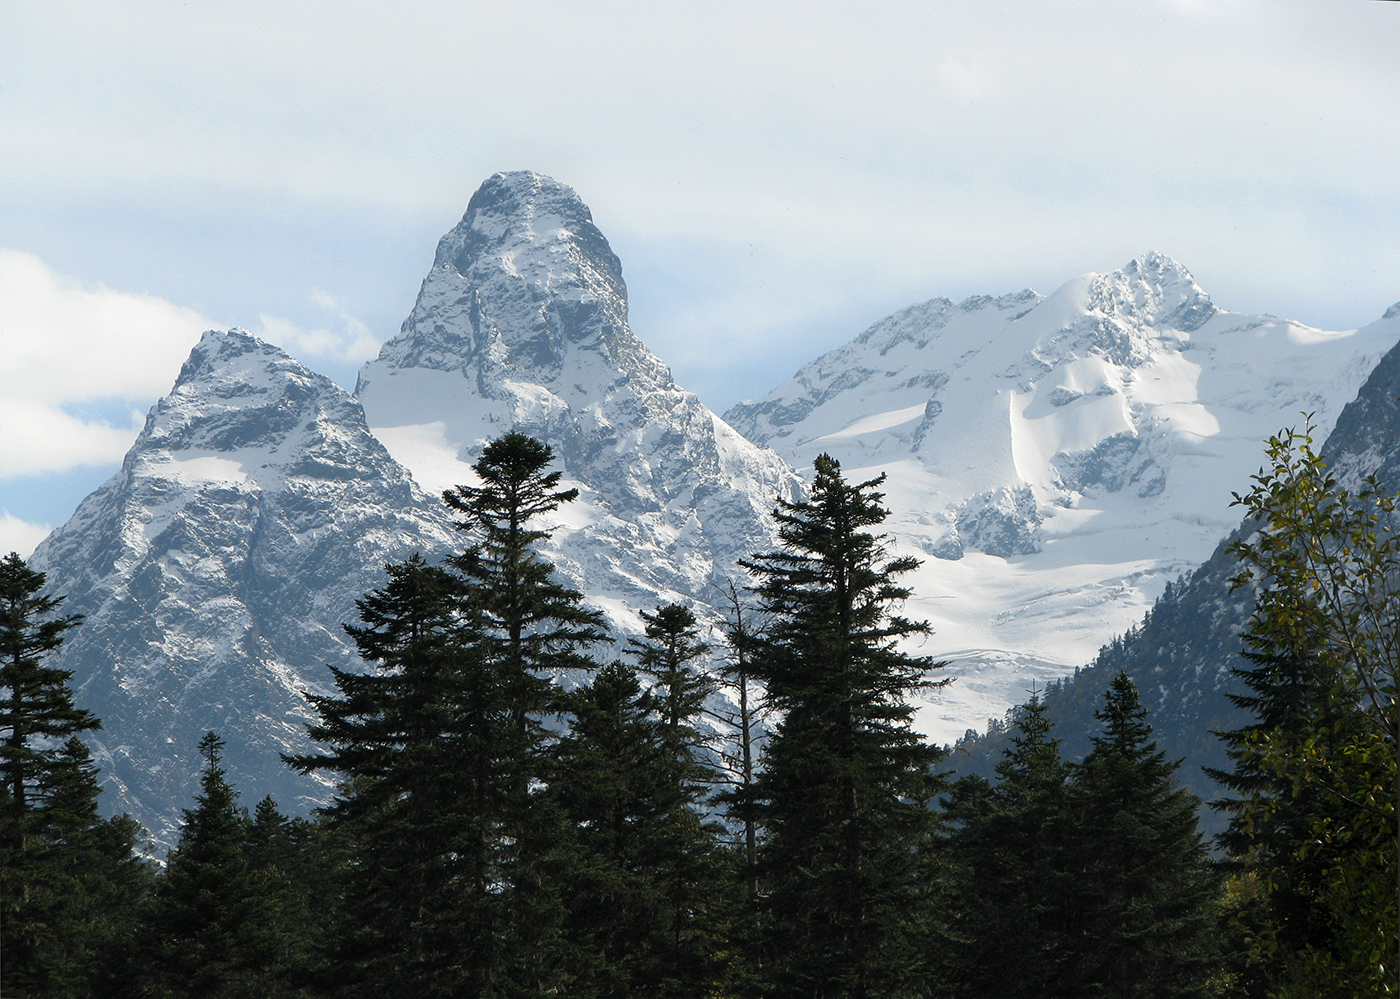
x: 37, y: 714
x: 1015, y: 871
x: 71, y: 882
x: 1315, y: 773
x: 451, y: 853
x: 1082, y: 881
x: 1145, y: 910
x: 842, y: 804
x: 645, y: 880
x: 206, y: 931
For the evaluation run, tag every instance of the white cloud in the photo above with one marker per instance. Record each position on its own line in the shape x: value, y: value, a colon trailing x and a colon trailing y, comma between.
x: 20, y: 536
x: 352, y: 343
x: 65, y: 347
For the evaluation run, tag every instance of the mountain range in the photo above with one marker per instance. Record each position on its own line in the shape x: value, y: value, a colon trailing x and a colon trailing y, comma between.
x: 1055, y: 460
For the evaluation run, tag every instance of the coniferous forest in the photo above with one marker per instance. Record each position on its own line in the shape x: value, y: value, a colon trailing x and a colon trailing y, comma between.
x: 626, y: 833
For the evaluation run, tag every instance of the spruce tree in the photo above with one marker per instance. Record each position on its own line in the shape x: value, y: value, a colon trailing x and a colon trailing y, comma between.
x: 287, y: 860
x: 536, y: 628
x: 690, y: 862
x: 451, y: 855
x: 71, y: 882
x: 203, y: 924
x: 422, y: 749
x: 843, y: 802
x: 742, y: 638
x: 1015, y: 881
x: 37, y: 714
x: 1145, y: 917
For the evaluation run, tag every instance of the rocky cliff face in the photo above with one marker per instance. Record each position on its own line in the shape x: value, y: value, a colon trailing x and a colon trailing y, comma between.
x: 522, y: 324
x: 1058, y: 459
x: 215, y: 571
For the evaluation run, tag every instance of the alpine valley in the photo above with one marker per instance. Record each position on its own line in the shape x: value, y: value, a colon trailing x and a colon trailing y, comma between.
x: 1054, y: 460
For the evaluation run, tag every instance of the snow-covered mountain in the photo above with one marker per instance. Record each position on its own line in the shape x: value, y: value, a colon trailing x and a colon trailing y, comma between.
x: 216, y: 568
x: 1181, y: 655
x: 522, y: 324
x: 1056, y: 460
x: 256, y: 506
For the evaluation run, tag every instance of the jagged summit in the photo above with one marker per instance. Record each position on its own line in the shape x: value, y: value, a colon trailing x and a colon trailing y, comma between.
x: 1153, y: 289
x: 216, y: 568
x: 524, y: 278
x: 522, y: 324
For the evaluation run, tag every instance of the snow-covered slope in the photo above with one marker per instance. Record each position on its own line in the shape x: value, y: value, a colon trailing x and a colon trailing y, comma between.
x: 1182, y: 654
x: 1057, y: 459
x: 216, y: 568
x: 522, y: 324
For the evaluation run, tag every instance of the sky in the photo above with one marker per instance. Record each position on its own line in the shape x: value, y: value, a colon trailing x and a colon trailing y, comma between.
x: 774, y: 176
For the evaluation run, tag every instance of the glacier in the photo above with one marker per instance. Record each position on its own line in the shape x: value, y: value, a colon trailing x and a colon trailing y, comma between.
x: 1056, y: 460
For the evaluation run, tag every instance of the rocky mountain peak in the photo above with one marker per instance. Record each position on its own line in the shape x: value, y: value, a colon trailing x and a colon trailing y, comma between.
x: 215, y: 571
x: 522, y: 324
x: 525, y: 289
x: 1152, y: 290
x: 237, y: 392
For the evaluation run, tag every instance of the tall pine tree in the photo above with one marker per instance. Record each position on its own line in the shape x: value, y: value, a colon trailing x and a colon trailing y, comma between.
x: 1014, y: 882
x: 843, y: 802
x: 1145, y: 910
x: 69, y: 881
x: 203, y: 925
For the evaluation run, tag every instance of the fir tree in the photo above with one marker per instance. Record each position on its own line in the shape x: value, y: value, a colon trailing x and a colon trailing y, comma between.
x: 742, y: 638
x: 286, y: 860
x: 1015, y: 882
x: 451, y: 857
x: 645, y: 879
x: 535, y: 627
x: 842, y: 804
x: 37, y: 714
x: 668, y: 654
x: 421, y: 745
x: 540, y: 623
x: 203, y: 922
x: 1145, y: 915
x: 71, y: 882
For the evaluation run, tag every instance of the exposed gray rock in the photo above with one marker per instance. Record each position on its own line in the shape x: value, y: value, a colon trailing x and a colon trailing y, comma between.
x: 215, y: 571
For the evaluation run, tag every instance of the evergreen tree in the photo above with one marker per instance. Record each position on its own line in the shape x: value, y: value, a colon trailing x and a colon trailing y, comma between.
x: 540, y: 624
x: 668, y: 654
x: 742, y: 637
x: 71, y: 882
x: 1015, y: 882
x: 37, y: 714
x: 689, y: 860
x: 451, y: 856
x: 423, y: 749
x: 842, y: 804
x: 202, y: 928
x: 536, y: 628
x: 1144, y: 892
x: 286, y: 860
x: 645, y: 874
